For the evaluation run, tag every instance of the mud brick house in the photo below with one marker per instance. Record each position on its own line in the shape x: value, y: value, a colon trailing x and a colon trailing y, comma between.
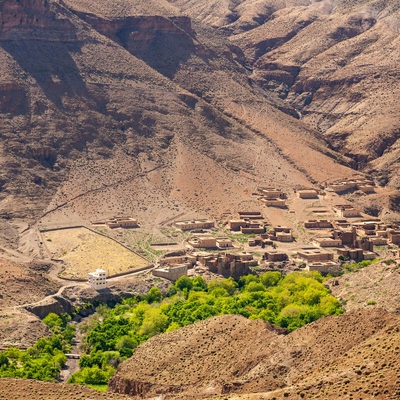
x: 194, y: 224
x: 171, y: 272
x: 307, y: 194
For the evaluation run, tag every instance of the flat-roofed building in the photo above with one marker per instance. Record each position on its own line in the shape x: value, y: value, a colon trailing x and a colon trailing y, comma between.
x: 272, y: 193
x: 246, y: 226
x: 280, y: 234
x: 364, y: 184
x: 275, y: 256
x: 327, y: 242
x: 284, y: 237
x: 318, y: 224
x: 171, y: 272
x: 122, y: 222
x: 351, y: 254
x: 394, y: 237
x: 207, y: 242
x: 188, y: 225
x: 369, y: 255
x: 314, y: 255
x: 229, y: 264
x: 324, y: 267
x: 379, y: 241
x: 224, y: 243
x: 307, y: 194
x: 348, y: 236
x: 236, y: 224
x: 346, y: 211
x: 179, y: 259
x: 254, y: 228
x: 280, y: 203
x: 97, y: 280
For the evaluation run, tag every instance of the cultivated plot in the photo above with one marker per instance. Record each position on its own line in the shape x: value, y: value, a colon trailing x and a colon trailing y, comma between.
x: 83, y: 251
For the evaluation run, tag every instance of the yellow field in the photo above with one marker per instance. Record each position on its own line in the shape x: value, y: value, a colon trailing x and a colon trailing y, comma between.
x: 83, y: 251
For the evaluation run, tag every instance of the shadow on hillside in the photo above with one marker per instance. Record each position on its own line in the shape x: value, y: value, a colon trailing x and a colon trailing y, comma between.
x: 164, y: 52
x: 51, y: 65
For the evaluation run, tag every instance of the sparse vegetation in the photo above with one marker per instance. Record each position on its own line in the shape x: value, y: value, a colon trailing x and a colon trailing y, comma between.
x: 389, y: 262
x: 352, y: 267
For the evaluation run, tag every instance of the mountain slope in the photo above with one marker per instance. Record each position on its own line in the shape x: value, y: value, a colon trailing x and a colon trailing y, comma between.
x: 230, y: 354
x: 335, y: 62
x: 99, y: 119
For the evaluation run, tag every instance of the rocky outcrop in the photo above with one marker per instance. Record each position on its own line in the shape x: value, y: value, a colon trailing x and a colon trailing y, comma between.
x: 50, y: 305
x: 30, y: 18
x: 149, y: 37
x: 141, y: 28
x: 13, y: 99
x: 21, y: 329
x: 199, y: 358
x: 132, y: 388
x: 394, y: 202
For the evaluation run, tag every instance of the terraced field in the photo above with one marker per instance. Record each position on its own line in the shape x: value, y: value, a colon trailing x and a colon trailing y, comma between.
x: 83, y: 251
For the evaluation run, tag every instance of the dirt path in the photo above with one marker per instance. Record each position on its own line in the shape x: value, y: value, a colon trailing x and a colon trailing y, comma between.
x: 72, y: 284
x: 72, y: 364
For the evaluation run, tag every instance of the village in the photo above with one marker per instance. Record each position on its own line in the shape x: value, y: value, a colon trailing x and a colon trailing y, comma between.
x: 304, y: 229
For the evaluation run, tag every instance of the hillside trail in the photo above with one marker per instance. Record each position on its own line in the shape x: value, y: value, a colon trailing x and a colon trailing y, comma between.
x: 45, y: 299
x: 72, y: 284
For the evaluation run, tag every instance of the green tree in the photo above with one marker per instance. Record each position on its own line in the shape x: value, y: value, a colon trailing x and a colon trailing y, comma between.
x: 228, y: 284
x: 154, y: 295
x: 4, y: 360
x: 254, y: 287
x: 184, y: 283
x: 199, y: 283
x: 269, y: 279
x: 154, y: 322
x: 53, y: 320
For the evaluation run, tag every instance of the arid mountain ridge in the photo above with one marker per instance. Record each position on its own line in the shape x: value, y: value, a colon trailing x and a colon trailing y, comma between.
x: 85, y: 121
x: 93, y: 99
x: 336, y: 62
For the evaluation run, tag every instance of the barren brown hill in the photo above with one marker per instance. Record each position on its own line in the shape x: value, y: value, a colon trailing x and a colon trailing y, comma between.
x: 336, y: 62
x: 19, y: 328
x: 18, y: 389
x: 24, y: 283
x: 373, y: 286
x: 230, y: 354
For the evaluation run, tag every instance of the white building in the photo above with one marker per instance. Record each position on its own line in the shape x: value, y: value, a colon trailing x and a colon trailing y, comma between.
x: 97, y: 280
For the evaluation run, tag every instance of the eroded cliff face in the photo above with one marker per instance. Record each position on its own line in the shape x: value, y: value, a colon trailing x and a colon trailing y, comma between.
x: 162, y: 42
x: 132, y: 388
x: 32, y: 17
x: 26, y: 13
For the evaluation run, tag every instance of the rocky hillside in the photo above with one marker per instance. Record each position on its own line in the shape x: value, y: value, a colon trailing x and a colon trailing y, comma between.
x: 22, y: 283
x: 17, y: 389
x: 100, y: 118
x: 355, y: 352
x: 374, y: 286
x: 335, y: 62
